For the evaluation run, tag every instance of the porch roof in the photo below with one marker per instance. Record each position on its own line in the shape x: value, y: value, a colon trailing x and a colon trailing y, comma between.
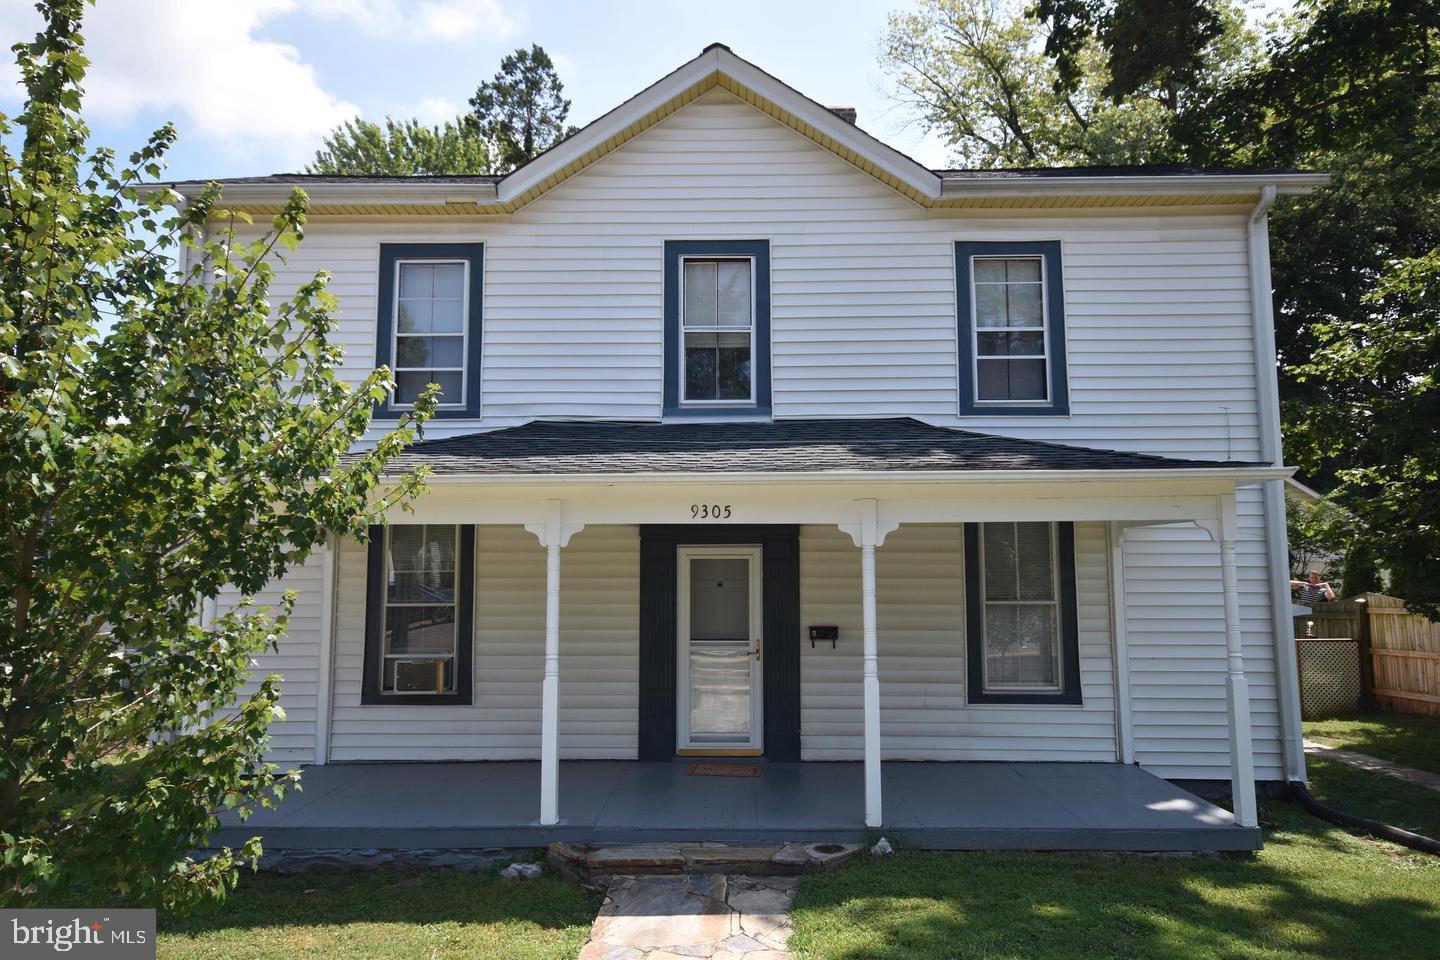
x: 568, y: 448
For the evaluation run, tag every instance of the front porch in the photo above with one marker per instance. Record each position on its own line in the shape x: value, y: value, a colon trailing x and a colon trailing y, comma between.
x: 854, y: 554
x: 943, y: 806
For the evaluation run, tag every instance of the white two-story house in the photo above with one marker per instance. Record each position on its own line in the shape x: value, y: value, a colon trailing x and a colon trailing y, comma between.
x: 946, y: 500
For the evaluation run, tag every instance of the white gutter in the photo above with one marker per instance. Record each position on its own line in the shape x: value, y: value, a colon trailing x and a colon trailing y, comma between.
x: 907, y: 477
x: 416, y: 193
x: 1262, y: 312
x: 423, y: 192
x: 1187, y: 184
x: 1277, y: 550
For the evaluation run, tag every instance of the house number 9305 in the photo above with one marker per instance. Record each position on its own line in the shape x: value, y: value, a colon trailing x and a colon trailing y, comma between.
x: 709, y: 511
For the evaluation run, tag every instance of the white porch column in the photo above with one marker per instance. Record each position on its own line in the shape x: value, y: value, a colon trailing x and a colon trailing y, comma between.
x: 1237, y: 689
x: 1119, y: 609
x: 326, y: 682
x: 868, y: 534
x: 553, y: 534
x: 550, y: 693
x: 873, y: 816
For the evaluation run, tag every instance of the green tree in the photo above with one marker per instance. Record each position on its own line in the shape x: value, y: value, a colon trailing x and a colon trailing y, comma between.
x: 523, y: 109
x: 976, y: 72
x: 1149, y: 45
x: 1360, y: 573
x: 405, y: 148
x: 1353, y: 87
x: 1382, y: 376
x: 1324, y: 536
x: 1318, y: 535
x: 200, y: 443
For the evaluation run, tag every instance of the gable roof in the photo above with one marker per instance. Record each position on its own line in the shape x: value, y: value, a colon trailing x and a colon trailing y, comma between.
x: 846, y: 446
x: 718, y: 67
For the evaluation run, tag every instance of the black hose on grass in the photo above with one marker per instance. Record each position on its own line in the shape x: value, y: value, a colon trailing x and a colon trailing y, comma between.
x: 1374, y: 827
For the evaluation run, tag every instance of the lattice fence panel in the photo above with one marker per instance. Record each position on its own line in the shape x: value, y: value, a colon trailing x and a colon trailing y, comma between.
x: 1329, y: 678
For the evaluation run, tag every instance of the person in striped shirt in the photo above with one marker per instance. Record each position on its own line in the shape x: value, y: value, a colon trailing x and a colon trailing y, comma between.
x: 1312, y: 590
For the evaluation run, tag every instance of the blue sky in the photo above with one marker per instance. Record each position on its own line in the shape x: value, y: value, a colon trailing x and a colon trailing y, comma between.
x: 253, y: 84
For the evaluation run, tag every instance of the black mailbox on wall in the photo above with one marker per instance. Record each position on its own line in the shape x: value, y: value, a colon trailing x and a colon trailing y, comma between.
x: 830, y: 633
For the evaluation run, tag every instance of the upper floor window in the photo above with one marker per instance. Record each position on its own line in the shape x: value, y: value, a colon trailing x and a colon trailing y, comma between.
x: 717, y: 326
x: 1011, y: 328
x: 717, y: 319
x: 429, y: 325
x: 1023, y: 638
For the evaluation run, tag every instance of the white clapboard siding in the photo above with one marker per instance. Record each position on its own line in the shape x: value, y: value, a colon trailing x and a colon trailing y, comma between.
x: 920, y: 605
x: 1160, y: 350
x: 599, y: 657
x: 297, y: 660
x: 1175, y: 633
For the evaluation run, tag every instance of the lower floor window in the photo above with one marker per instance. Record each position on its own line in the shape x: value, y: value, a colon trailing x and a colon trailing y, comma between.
x: 420, y: 609
x: 419, y: 614
x: 1020, y: 612
x: 1022, y: 623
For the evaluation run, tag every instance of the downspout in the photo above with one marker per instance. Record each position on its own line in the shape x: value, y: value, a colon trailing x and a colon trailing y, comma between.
x: 1277, y: 552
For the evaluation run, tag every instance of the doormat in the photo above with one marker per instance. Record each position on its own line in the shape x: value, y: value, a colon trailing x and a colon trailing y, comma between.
x: 724, y: 770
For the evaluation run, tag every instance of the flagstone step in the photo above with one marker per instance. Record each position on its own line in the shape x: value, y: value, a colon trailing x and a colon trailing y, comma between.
x: 584, y: 861
x: 709, y: 916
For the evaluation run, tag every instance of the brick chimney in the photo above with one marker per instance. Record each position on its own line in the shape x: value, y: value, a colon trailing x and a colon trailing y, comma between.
x: 844, y: 113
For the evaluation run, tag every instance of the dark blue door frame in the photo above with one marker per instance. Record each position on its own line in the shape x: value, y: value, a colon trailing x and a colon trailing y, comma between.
x: 659, y: 643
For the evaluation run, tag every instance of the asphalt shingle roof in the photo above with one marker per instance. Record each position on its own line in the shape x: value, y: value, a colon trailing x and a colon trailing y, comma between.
x: 1111, y: 170
x: 1013, y: 173
x: 783, y: 446
x: 288, y: 178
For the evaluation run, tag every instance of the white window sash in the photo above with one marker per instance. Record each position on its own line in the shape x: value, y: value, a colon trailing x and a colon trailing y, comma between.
x: 388, y: 605
x: 975, y: 332
x: 464, y: 333
x: 985, y: 684
x: 749, y: 330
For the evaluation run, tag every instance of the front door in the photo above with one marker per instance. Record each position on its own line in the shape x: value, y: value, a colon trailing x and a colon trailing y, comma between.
x: 721, y: 649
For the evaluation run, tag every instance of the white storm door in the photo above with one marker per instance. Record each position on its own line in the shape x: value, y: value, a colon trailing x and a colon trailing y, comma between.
x: 719, y: 701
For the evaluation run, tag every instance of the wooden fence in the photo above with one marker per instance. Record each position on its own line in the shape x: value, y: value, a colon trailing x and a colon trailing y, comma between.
x: 1399, y: 651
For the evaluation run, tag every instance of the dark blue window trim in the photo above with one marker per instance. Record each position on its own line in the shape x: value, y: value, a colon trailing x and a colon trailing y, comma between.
x: 385, y: 318
x: 1069, y: 693
x: 759, y: 251
x: 1059, y: 403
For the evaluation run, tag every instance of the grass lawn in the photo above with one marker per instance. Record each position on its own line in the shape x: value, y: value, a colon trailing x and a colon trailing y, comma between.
x: 1392, y: 801
x: 1314, y: 892
x: 1397, y: 737
x: 436, y: 915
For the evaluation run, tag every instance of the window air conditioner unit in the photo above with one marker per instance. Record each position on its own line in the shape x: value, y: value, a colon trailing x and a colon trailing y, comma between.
x: 419, y: 676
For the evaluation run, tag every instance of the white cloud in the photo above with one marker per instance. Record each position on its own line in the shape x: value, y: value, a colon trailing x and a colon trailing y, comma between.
x: 201, y: 62
x: 449, y: 20
x: 564, y: 66
x: 436, y: 110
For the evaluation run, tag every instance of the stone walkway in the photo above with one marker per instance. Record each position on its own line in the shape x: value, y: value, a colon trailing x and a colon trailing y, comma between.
x: 1363, y: 761
x: 712, y: 916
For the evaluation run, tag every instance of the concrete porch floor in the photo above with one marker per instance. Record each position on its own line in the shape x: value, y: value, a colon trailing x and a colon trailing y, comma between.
x: 941, y: 806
